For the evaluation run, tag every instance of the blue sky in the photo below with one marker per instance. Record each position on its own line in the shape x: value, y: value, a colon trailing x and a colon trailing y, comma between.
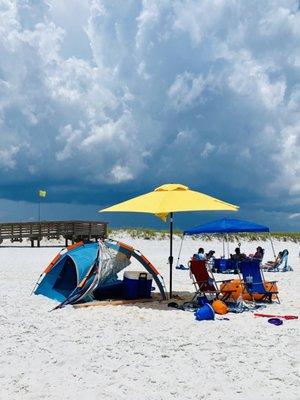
x: 104, y: 100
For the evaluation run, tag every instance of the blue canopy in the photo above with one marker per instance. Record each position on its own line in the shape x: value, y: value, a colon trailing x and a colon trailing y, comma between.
x: 227, y: 225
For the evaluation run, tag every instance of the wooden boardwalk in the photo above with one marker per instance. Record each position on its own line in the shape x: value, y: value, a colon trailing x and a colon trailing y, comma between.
x: 36, y: 231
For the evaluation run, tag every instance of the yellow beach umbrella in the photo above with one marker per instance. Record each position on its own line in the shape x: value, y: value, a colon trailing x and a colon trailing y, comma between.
x: 167, y: 199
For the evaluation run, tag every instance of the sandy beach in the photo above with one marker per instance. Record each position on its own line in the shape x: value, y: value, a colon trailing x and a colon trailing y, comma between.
x: 146, y: 119
x: 147, y: 351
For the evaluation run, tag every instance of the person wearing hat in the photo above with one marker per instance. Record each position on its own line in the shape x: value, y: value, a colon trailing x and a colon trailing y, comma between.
x: 210, y: 255
x: 259, y: 254
x: 210, y: 258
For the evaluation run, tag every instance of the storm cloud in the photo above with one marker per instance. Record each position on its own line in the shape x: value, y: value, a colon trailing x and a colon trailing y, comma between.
x: 100, y: 100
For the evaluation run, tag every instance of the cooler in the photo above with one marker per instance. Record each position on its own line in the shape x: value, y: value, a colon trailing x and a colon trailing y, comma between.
x: 137, y: 285
x: 223, y: 264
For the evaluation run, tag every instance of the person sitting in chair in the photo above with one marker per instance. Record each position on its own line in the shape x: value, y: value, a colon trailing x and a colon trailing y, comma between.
x: 210, y: 255
x: 238, y: 255
x: 259, y: 254
x: 271, y: 264
x: 200, y: 255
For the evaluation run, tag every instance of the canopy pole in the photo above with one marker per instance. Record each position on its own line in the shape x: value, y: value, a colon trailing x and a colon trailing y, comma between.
x: 227, y: 245
x: 179, y: 254
x: 223, y: 237
x: 171, y: 252
x: 270, y: 237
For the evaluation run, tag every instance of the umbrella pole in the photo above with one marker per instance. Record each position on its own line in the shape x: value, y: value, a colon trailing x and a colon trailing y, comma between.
x: 171, y: 252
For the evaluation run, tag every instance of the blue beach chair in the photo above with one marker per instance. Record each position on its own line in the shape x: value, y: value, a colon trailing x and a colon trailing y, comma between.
x: 254, y: 282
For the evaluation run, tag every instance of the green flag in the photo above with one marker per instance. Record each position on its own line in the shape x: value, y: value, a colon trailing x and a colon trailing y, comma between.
x: 42, y: 193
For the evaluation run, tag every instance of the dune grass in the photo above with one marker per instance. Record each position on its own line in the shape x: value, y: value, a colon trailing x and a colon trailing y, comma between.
x: 152, y: 234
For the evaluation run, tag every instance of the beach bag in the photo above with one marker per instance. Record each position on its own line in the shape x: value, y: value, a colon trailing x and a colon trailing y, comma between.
x: 220, y: 307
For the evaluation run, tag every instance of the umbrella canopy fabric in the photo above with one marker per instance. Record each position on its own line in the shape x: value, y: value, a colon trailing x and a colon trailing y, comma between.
x: 227, y: 225
x: 170, y: 198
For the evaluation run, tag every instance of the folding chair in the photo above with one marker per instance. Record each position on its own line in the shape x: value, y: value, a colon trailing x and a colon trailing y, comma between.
x: 281, y: 265
x: 254, y: 282
x: 204, y: 281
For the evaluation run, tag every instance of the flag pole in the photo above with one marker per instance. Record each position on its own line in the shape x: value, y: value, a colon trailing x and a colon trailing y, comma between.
x: 39, y: 209
x: 41, y: 193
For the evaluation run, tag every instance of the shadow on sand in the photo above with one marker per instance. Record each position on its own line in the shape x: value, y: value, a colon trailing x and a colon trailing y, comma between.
x: 155, y: 302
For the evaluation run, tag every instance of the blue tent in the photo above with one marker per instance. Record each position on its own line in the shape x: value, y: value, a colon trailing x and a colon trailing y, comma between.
x: 67, y: 270
x: 226, y: 225
x: 77, y: 271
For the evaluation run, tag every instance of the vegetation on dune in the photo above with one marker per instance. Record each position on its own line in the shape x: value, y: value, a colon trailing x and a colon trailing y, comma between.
x: 142, y: 233
x: 151, y: 234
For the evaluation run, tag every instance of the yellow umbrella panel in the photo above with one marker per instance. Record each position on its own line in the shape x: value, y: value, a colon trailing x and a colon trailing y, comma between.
x: 170, y: 198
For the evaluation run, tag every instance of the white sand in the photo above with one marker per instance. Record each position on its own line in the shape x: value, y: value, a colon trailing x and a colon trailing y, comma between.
x: 142, y: 352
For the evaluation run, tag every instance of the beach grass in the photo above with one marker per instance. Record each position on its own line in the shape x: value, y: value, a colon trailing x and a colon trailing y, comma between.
x: 153, y: 234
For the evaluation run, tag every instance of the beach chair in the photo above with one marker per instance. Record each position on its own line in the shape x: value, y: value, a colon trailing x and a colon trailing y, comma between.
x: 204, y: 281
x: 253, y: 280
x: 281, y: 265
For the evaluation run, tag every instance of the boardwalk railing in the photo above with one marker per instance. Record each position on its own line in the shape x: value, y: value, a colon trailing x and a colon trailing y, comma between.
x: 36, y: 231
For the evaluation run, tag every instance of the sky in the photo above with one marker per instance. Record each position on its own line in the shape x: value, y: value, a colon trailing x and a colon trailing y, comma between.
x: 103, y: 100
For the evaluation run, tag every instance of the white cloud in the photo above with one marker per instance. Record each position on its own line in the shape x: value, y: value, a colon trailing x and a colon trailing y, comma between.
x: 208, y: 149
x: 70, y: 140
x: 250, y: 79
x: 294, y: 216
x: 141, y: 70
x: 184, y: 136
x: 8, y: 157
x: 287, y: 156
x: 198, y: 18
x: 147, y: 19
x: 186, y: 90
x: 121, y: 173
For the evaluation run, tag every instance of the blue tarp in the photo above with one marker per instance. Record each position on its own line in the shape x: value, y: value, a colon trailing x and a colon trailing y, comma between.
x: 227, y: 225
